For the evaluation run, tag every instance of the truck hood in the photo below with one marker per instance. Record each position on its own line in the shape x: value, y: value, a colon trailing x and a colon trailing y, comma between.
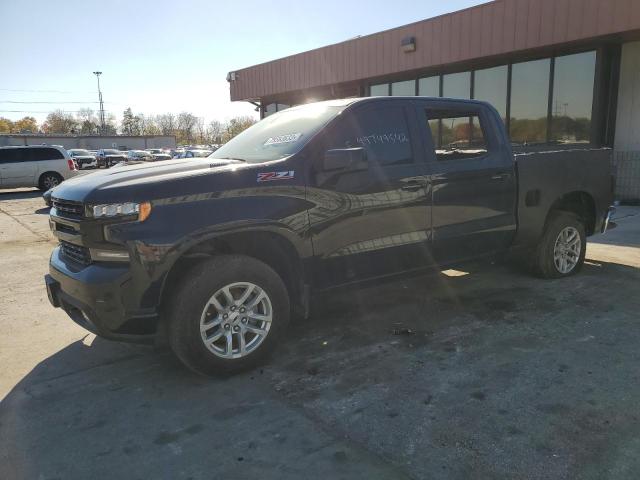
x: 140, y: 181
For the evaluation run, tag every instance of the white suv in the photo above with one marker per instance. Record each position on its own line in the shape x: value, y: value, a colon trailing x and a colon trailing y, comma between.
x: 42, y: 166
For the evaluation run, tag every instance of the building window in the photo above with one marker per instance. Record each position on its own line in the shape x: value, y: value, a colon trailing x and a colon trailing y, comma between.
x: 573, y: 81
x: 403, y: 89
x: 529, y: 101
x: 429, y: 87
x: 457, y: 85
x: 490, y: 85
x: 379, y: 90
x: 270, y: 109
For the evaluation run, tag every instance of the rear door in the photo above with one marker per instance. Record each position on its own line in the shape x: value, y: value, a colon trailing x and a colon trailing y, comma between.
x: 18, y: 168
x: 473, y: 180
x: 372, y: 221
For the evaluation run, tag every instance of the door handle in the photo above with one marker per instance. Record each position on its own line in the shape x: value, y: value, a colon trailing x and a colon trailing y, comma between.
x: 412, y: 186
x: 501, y: 176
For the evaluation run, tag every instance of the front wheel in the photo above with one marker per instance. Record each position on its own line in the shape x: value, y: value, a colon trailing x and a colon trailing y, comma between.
x: 562, y: 248
x: 228, y: 315
x: 49, y: 180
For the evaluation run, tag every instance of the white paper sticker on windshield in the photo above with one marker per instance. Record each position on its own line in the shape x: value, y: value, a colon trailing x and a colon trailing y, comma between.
x: 289, y: 138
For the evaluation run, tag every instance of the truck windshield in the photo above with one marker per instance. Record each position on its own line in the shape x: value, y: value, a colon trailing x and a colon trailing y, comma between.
x: 279, y: 135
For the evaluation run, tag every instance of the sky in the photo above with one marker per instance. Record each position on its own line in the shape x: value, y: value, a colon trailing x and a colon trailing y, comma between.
x: 169, y: 56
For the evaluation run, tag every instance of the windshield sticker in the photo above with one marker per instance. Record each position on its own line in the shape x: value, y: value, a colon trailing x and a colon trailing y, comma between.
x: 290, y: 138
x: 383, y: 138
x: 270, y: 176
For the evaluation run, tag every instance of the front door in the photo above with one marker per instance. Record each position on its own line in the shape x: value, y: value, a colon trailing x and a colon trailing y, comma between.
x: 373, y: 220
x: 473, y: 181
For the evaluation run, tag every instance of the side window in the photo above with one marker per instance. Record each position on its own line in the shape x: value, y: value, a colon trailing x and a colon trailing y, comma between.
x: 456, y: 134
x: 383, y: 132
x: 44, y: 153
x: 12, y: 155
x: 5, y: 155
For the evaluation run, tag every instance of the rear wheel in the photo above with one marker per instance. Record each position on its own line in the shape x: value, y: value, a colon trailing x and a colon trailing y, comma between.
x: 49, y: 180
x: 562, y: 248
x: 228, y: 315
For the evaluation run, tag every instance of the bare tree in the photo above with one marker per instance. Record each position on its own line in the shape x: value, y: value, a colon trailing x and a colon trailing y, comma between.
x: 186, y: 124
x: 87, y: 120
x: 214, y: 131
x: 166, y: 123
x: 201, y: 129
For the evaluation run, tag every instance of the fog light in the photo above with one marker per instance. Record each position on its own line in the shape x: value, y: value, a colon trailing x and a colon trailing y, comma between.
x: 99, y: 255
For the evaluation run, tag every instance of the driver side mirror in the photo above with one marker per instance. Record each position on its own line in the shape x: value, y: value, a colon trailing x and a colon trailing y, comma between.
x: 345, y: 159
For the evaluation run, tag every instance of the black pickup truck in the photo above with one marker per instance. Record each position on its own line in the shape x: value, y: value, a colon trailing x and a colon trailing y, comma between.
x: 216, y: 254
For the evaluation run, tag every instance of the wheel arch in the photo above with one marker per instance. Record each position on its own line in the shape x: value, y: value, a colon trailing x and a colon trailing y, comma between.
x: 579, y: 203
x: 272, y: 247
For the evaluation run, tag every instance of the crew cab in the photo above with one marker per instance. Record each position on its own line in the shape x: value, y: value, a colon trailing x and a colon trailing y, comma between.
x: 216, y: 254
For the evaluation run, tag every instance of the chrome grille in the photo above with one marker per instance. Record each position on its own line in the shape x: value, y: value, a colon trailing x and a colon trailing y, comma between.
x: 75, y: 253
x: 69, y: 209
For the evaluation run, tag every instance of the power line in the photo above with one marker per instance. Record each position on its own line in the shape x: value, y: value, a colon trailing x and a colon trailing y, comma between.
x: 19, y: 101
x: 42, y: 111
x: 40, y: 91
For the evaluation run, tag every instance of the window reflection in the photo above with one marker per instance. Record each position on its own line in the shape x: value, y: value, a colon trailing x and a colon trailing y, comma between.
x: 457, y: 85
x: 490, y: 85
x: 379, y: 90
x: 529, y: 101
x: 573, y: 97
x: 429, y: 87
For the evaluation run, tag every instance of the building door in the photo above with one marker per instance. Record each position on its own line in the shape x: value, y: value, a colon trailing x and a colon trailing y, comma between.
x: 370, y: 220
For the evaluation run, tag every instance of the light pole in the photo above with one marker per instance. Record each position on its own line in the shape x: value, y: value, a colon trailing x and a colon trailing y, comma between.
x: 97, y: 74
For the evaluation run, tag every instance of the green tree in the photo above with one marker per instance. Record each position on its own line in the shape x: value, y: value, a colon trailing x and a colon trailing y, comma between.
x: 235, y: 126
x: 59, y: 121
x: 6, y: 125
x: 25, y: 125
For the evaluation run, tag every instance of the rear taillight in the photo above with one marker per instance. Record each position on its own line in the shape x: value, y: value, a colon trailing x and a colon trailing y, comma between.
x: 72, y: 165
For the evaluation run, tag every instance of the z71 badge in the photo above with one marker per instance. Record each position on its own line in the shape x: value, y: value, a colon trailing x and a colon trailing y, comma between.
x: 271, y: 176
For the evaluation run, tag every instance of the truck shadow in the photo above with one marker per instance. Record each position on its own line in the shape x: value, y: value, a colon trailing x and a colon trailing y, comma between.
x: 19, y: 194
x: 103, y: 410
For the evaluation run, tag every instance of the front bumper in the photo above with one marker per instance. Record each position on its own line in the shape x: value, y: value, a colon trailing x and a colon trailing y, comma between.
x: 96, y: 297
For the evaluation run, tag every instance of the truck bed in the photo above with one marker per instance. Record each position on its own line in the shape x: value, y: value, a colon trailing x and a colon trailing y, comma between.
x: 545, y: 176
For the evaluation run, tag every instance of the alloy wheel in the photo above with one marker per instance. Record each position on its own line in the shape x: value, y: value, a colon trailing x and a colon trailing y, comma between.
x: 567, y: 250
x: 236, y: 320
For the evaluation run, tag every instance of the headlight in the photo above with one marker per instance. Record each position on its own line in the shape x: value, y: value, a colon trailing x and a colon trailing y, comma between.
x: 142, y: 210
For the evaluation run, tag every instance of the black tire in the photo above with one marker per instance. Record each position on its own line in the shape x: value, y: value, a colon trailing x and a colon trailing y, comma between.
x: 197, y: 287
x: 544, y: 263
x: 49, y: 180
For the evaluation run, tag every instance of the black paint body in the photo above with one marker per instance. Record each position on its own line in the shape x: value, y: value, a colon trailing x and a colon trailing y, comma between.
x: 336, y: 227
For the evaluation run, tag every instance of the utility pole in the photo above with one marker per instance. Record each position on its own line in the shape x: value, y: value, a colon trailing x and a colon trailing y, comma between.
x: 102, y: 125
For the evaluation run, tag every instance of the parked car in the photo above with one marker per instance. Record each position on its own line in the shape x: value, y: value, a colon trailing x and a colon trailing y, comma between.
x: 108, y: 157
x: 84, y: 158
x: 139, y: 155
x: 42, y: 166
x: 194, y: 154
x: 216, y: 254
x: 159, y: 154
